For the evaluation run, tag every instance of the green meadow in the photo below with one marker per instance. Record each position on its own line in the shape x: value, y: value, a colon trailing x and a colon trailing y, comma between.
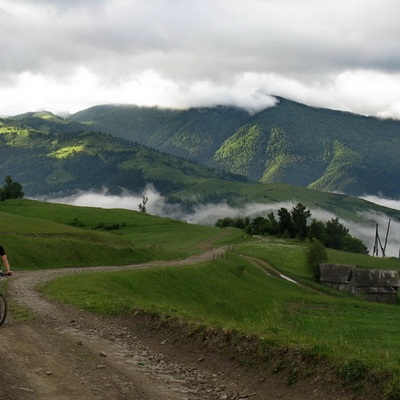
x: 359, y: 340
x: 41, y: 235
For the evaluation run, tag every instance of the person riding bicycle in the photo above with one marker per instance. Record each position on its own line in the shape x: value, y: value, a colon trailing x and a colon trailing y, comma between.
x: 5, y: 261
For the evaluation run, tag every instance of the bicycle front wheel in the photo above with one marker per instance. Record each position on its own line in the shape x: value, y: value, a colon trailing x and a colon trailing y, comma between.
x: 3, y: 309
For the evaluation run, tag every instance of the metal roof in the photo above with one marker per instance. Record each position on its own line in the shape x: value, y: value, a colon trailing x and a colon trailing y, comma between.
x: 362, y: 277
x: 336, y: 273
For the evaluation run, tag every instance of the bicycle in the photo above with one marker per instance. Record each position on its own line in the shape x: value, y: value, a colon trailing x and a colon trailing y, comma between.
x: 3, y: 301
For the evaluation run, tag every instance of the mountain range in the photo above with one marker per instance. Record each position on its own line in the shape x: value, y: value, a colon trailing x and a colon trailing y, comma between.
x: 201, y: 154
x: 291, y: 142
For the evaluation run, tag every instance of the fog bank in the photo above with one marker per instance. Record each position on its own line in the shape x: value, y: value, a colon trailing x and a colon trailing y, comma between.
x: 208, y: 214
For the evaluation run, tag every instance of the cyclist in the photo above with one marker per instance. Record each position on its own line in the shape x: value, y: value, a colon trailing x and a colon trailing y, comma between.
x: 5, y: 261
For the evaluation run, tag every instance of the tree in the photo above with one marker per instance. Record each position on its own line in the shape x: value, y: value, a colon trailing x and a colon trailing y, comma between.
x: 354, y: 245
x: 316, y: 230
x: 272, y: 224
x: 11, y: 190
x: 315, y: 255
x: 300, y: 214
x: 224, y: 222
x: 142, y: 205
x: 336, y: 234
x: 285, y: 224
x: 259, y: 225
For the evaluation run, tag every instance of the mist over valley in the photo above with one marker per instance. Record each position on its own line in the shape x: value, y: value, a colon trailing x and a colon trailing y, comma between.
x: 209, y: 213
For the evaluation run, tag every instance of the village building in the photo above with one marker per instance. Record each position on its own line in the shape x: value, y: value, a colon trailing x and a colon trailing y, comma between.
x: 373, y: 284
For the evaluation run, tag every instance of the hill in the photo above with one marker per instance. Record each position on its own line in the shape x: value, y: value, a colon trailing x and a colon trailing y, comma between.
x: 40, y: 235
x: 255, y: 304
x: 291, y: 142
x: 49, y: 155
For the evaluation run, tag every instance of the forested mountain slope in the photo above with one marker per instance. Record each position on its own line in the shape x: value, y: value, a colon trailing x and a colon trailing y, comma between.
x: 196, y: 133
x: 49, y: 155
x: 291, y: 142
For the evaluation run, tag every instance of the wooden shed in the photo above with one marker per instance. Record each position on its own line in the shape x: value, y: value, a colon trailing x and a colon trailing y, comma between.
x: 374, y: 284
x: 336, y: 276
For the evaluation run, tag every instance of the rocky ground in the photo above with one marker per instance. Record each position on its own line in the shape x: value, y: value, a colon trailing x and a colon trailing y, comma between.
x: 63, y: 353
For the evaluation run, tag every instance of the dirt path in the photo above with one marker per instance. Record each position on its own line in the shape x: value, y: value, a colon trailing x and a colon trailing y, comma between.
x: 64, y: 353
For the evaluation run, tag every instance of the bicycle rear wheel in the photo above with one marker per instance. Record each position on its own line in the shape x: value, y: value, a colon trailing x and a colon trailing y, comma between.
x: 3, y: 309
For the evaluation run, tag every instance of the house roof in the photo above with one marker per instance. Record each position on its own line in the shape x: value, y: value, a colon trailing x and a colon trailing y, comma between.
x: 376, y: 278
x: 361, y: 277
x: 336, y: 273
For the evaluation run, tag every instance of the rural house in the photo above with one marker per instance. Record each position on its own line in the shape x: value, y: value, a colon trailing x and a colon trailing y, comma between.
x: 374, y: 284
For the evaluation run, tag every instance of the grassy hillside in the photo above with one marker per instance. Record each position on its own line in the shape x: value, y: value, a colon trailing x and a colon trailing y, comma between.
x: 40, y: 235
x: 48, y: 155
x: 251, y: 195
x: 298, y: 328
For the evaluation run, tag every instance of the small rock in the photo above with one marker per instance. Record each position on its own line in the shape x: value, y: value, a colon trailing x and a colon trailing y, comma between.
x: 102, y: 354
x: 26, y: 389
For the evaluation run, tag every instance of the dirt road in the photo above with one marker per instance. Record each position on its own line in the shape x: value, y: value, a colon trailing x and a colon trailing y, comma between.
x: 63, y: 353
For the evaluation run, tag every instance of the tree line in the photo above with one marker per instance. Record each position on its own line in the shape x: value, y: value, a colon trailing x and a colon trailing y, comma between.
x: 297, y: 223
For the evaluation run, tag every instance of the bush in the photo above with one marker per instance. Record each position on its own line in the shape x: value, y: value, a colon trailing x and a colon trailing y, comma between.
x: 315, y: 255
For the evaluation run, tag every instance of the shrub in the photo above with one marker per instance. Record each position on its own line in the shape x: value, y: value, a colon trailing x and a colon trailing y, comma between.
x: 315, y: 255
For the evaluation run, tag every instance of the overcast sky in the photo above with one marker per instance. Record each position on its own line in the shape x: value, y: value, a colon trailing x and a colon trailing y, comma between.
x: 67, y: 55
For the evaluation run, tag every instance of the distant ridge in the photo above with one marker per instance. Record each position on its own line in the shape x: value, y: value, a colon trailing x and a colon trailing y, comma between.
x: 291, y: 142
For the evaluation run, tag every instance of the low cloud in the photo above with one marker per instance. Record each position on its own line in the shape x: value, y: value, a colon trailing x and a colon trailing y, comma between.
x: 201, y: 52
x: 208, y: 214
x: 389, y: 203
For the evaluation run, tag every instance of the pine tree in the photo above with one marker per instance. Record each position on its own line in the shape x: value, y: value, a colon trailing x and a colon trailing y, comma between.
x: 11, y: 190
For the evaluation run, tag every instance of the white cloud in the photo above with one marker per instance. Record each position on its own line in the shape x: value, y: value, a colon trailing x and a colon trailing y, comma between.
x: 178, y: 53
x: 390, y: 203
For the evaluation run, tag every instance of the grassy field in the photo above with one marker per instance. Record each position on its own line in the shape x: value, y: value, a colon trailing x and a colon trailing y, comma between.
x: 361, y: 340
x: 40, y: 235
